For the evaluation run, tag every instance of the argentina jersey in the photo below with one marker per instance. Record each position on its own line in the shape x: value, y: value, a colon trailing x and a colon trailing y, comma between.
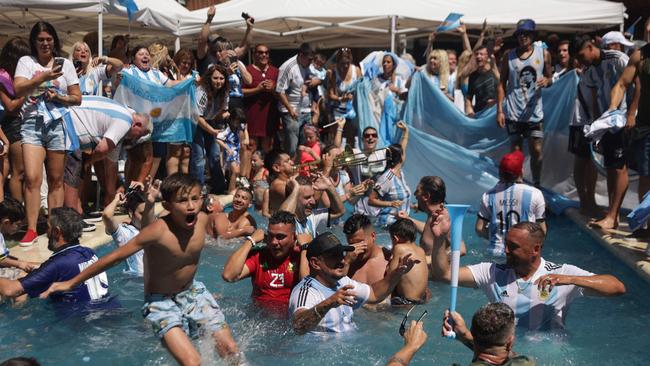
x: 604, y: 76
x: 310, y: 292
x: 523, y: 98
x: 534, y: 309
x: 504, y: 206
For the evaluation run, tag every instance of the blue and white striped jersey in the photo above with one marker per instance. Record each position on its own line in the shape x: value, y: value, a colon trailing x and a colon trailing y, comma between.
x: 309, y: 293
x: 507, y: 204
x: 604, y: 76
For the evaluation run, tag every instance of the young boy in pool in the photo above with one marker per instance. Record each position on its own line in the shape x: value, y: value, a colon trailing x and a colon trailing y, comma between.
x: 12, y: 213
x: 412, y: 287
x: 175, y: 303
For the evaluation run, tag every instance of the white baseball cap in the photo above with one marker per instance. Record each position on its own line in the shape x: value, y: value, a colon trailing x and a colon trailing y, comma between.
x: 616, y: 37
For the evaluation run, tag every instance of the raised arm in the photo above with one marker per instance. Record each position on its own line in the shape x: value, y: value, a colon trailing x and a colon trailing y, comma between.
x: 414, y: 338
x: 481, y: 37
x: 202, y: 49
x: 404, y: 141
x: 235, y: 268
x: 108, y: 214
x: 467, y: 46
x: 248, y: 38
x: 290, y: 203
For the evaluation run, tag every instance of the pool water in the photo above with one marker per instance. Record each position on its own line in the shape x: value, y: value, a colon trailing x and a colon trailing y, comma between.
x: 600, y: 331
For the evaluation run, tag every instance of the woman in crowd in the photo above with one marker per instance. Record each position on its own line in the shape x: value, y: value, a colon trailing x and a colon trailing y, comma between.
x: 92, y: 72
x: 389, y: 79
x: 212, y: 97
x: 340, y: 93
x: 178, y: 155
x: 50, y: 85
x: 12, y: 51
x: 437, y: 71
x: 391, y: 193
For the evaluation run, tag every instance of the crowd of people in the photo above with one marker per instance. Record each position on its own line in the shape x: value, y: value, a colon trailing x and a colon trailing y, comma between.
x: 284, y: 142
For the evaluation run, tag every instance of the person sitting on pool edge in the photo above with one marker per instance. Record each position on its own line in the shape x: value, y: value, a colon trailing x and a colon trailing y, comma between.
x: 176, y: 304
x: 325, y: 300
x: 546, y: 287
x: 412, y: 287
x: 68, y: 257
x: 275, y: 269
x: 368, y: 261
x: 301, y: 201
x: 492, y: 336
x: 238, y: 222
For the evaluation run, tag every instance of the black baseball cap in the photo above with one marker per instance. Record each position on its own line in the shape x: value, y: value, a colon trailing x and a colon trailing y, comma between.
x: 326, y: 242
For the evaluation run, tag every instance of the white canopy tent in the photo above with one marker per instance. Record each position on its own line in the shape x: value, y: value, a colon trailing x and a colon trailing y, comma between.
x: 376, y: 23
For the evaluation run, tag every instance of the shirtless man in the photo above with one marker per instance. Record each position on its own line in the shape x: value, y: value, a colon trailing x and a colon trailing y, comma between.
x: 236, y: 223
x: 280, y: 167
x: 412, y: 287
x: 368, y: 262
x: 173, y: 298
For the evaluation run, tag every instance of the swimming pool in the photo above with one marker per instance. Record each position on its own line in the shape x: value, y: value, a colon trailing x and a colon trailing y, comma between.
x: 601, y: 331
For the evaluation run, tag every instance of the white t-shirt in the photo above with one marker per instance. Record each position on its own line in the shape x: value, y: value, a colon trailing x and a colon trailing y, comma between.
x: 501, y: 284
x: 121, y: 236
x: 291, y: 79
x: 507, y: 204
x: 604, y: 76
x: 309, y: 293
x: 4, y: 252
x: 100, y: 117
x: 314, y: 223
x: 28, y: 67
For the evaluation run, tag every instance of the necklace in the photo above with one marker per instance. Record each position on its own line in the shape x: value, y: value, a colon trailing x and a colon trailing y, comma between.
x: 520, y: 290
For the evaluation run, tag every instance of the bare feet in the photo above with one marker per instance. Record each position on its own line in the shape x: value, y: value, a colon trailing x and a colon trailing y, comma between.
x: 605, y: 224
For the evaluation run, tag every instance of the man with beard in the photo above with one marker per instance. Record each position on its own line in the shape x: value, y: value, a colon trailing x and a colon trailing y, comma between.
x: 301, y: 201
x: 67, y: 260
x: 274, y: 269
x: 538, y: 291
x: 236, y: 223
x: 325, y: 300
x: 430, y: 194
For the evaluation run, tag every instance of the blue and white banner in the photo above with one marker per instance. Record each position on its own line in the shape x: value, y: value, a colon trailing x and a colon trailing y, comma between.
x: 172, y: 110
x: 451, y: 22
x: 131, y: 7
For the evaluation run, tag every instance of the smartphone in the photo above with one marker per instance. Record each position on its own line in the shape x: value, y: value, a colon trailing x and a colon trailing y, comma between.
x: 77, y: 64
x: 246, y: 16
x: 58, y: 63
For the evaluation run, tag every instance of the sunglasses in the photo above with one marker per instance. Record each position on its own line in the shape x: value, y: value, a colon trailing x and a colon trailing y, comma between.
x: 368, y: 135
x: 402, y: 327
x: 262, y: 52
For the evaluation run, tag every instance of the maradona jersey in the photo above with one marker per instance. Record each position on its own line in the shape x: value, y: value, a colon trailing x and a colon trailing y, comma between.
x: 523, y: 102
x: 533, y: 309
x: 309, y: 293
x: 507, y: 204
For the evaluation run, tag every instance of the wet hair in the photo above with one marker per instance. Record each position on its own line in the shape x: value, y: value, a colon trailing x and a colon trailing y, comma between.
x: 177, y: 184
x: 581, y: 41
x: 403, y: 229
x: 305, y: 49
x: 12, y: 51
x: 282, y: 217
x: 69, y: 222
x: 184, y: 53
x: 355, y: 222
x: 133, y: 200
x: 394, y: 155
x: 435, y: 187
x: 49, y: 29
x: 21, y: 361
x: 492, y: 325
x: 534, y: 230
x: 12, y: 210
x: 247, y: 190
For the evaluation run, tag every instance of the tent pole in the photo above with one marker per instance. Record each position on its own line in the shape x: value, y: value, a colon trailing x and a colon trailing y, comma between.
x: 177, y: 42
x: 393, y: 30
x: 100, y: 29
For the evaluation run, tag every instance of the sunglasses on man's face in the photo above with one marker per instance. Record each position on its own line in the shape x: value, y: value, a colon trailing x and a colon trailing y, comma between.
x: 402, y: 327
x: 369, y: 135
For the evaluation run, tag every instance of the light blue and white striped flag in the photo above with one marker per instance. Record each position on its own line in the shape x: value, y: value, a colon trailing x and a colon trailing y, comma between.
x: 173, y: 110
x: 451, y: 22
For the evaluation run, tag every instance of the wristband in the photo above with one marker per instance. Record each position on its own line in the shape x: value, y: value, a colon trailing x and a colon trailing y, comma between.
x: 251, y: 240
x: 303, y: 247
x: 317, y: 313
x: 339, y: 130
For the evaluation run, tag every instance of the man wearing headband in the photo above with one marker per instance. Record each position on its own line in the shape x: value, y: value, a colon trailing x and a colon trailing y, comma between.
x: 325, y: 300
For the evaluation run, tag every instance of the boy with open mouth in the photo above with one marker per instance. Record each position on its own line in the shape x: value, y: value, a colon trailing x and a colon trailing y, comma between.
x: 177, y: 306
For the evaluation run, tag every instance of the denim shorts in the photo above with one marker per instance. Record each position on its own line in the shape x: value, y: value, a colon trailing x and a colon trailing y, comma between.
x: 50, y: 136
x: 194, y: 310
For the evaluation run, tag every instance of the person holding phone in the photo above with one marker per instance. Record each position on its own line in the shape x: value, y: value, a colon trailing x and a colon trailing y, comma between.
x: 50, y: 85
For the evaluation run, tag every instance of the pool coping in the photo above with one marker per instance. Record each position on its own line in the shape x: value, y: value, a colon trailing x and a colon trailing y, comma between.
x: 39, y: 253
x: 630, y: 251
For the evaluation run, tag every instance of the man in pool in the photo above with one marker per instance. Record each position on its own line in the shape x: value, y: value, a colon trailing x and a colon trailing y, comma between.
x: 275, y: 269
x: 538, y: 291
x: 368, y: 261
x: 175, y: 303
x: 68, y: 258
x: 280, y: 167
x: 492, y: 336
x: 412, y: 287
x: 301, y: 200
x: 325, y: 300
x: 238, y: 222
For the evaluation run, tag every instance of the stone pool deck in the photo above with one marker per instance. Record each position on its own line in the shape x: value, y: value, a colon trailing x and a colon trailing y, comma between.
x: 39, y: 253
x: 619, y: 242
x: 629, y: 250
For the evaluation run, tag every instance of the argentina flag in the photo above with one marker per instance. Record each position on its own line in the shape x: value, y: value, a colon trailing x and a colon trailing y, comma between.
x: 172, y: 109
x: 451, y: 22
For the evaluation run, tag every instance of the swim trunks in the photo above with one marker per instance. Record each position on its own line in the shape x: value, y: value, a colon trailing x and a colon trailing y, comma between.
x: 194, y: 310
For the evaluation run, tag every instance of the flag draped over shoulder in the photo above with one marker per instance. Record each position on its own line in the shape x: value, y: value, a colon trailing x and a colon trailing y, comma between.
x: 172, y: 109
